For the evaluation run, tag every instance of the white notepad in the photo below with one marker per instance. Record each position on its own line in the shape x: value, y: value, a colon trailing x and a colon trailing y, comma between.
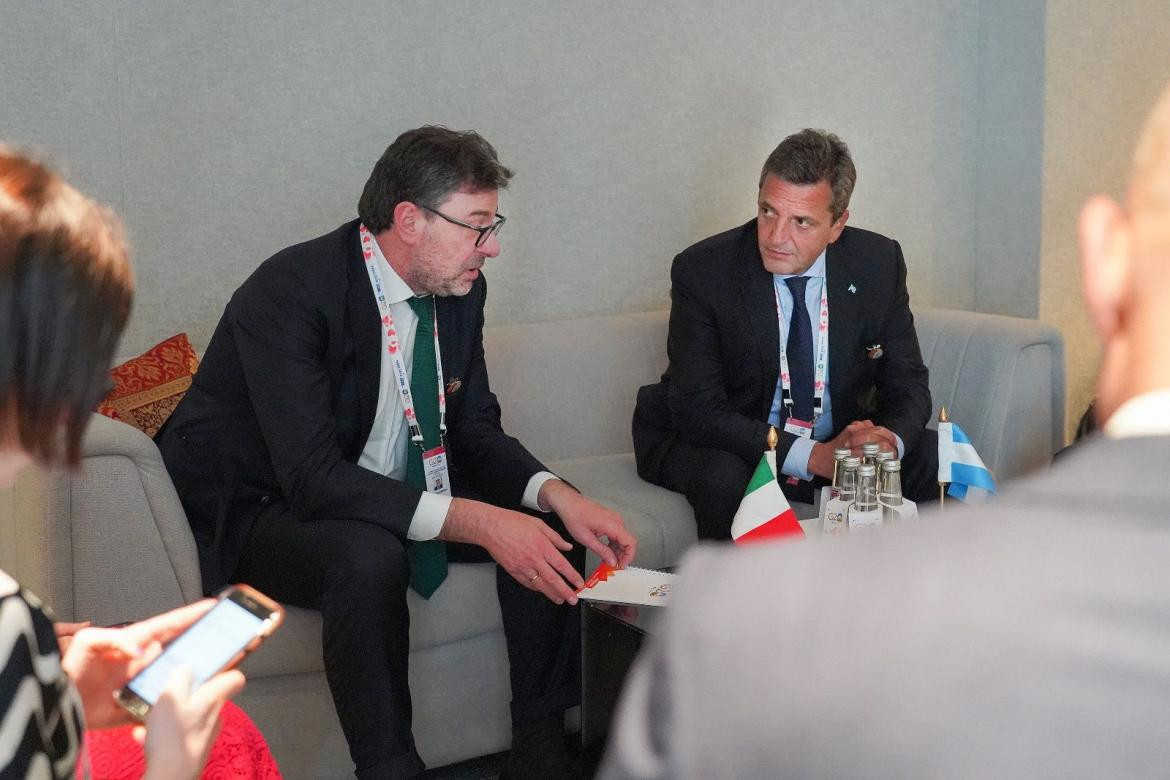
x: 630, y: 585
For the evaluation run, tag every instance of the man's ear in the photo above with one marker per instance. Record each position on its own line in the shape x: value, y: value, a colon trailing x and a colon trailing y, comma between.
x: 410, y: 223
x: 1106, y: 262
x: 839, y: 225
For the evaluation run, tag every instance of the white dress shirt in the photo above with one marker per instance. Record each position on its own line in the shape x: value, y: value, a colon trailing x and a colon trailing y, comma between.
x: 386, y: 448
x: 1145, y: 415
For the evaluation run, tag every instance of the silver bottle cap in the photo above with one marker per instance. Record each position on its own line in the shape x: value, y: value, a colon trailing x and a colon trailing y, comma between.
x: 866, y: 470
x: 892, y: 465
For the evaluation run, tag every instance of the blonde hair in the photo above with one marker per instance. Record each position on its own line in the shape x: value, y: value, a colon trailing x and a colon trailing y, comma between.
x: 65, y: 292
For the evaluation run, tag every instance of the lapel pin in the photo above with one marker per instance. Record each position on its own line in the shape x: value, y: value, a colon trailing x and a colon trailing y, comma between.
x: 453, y: 386
x: 852, y: 289
x: 874, y: 351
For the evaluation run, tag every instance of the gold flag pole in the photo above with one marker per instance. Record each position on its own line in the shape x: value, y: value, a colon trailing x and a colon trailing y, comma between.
x: 942, y: 486
x: 773, y: 438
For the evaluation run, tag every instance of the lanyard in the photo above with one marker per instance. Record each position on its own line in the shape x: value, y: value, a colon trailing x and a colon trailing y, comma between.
x: 393, y: 347
x: 822, y: 352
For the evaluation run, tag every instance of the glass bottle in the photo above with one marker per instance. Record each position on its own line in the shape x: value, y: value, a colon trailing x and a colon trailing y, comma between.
x: 835, y: 522
x: 839, y: 454
x: 869, y: 452
x: 848, y: 488
x: 890, y: 493
x: 864, y: 513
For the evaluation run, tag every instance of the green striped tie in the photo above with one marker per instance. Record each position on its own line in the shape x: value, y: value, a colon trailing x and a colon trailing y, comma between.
x: 428, y: 560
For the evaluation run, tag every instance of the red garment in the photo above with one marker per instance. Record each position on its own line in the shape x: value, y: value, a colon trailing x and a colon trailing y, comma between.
x: 239, y: 752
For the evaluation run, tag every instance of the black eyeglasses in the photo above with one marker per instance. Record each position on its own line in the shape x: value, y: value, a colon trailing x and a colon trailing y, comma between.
x: 484, y: 232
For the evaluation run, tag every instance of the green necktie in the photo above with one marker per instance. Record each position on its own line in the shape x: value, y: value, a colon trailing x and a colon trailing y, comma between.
x: 428, y: 560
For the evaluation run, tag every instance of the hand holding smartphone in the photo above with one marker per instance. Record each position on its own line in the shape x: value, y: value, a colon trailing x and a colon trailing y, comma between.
x: 240, y: 620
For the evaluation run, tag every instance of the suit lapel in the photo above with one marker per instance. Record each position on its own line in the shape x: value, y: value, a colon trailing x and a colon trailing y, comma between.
x: 362, y: 313
x: 759, y: 296
x: 844, y: 314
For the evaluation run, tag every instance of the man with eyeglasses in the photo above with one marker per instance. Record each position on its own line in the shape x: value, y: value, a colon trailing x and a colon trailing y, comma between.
x: 340, y: 443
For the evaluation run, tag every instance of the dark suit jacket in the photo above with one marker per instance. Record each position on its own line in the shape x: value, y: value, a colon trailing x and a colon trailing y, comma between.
x: 724, y: 352
x: 283, y: 403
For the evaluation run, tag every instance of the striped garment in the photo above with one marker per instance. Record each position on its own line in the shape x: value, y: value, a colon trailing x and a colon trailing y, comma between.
x: 41, y: 723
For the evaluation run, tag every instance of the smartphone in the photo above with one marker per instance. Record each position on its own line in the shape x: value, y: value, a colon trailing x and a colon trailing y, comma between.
x: 240, y: 620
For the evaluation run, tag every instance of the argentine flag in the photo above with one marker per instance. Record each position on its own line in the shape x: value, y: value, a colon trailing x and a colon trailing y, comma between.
x: 960, y: 465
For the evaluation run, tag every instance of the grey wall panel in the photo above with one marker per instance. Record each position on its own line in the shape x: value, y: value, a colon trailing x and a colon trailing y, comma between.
x: 59, y: 90
x: 223, y: 133
x: 1010, y: 150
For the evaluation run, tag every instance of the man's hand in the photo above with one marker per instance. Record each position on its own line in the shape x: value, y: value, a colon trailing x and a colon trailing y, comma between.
x: 101, y: 660
x: 867, y: 432
x: 523, y: 545
x: 589, y: 522
x: 852, y: 436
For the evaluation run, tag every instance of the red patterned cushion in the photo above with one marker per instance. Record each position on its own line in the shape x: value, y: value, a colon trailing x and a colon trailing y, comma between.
x: 149, y: 387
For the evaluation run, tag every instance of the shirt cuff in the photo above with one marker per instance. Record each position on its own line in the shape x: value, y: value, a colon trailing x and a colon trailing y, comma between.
x: 429, y: 516
x: 531, y: 498
x: 901, y: 446
x: 796, y: 462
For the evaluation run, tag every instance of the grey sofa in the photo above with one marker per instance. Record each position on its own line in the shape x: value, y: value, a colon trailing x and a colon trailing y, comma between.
x: 110, y: 542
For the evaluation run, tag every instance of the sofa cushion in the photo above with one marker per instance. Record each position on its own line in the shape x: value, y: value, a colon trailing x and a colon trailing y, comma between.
x: 464, y: 607
x: 149, y: 387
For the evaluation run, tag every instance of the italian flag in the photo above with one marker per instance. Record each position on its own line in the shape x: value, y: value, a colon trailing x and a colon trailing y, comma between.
x: 764, y: 512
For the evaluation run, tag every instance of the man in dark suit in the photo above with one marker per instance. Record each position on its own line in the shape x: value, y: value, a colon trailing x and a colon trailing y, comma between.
x: 341, y: 440
x: 795, y: 270
x: 1023, y: 639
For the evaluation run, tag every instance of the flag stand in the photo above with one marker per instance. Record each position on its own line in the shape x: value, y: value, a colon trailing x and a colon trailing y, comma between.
x: 942, y: 486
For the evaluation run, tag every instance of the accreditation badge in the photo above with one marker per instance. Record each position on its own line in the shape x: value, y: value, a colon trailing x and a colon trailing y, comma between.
x: 798, y: 428
x: 435, y: 471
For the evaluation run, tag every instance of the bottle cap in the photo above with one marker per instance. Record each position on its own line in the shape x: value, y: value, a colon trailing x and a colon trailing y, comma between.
x: 866, y: 470
x: 870, y: 448
x: 851, y: 462
x: 841, y: 453
x: 892, y: 465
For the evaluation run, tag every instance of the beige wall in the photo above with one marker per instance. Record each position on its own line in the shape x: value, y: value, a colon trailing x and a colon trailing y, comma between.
x: 1106, y: 63
x: 222, y: 132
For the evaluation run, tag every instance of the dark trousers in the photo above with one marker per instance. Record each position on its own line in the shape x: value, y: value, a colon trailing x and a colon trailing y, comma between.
x: 714, y: 480
x: 356, y: 574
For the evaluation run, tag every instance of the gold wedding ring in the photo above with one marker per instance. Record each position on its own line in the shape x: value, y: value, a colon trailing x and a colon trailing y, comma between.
x: 535, y: 577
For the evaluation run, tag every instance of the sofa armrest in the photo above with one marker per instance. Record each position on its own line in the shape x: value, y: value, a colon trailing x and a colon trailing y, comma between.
x: 1002, y: 378
x: 108, y: 542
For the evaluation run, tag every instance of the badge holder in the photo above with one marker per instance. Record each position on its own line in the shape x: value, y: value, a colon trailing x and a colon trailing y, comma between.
x: 438, y: 481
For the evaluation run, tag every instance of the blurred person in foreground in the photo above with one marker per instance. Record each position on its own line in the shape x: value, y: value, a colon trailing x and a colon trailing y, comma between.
x: 1028, y: 638
x: 65, y: 291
